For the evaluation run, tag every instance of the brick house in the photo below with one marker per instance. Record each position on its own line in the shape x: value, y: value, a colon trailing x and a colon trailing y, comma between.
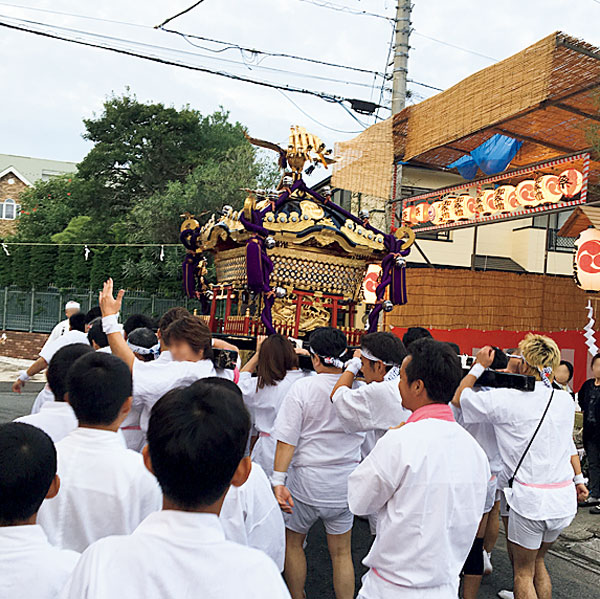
x: 17, y: 173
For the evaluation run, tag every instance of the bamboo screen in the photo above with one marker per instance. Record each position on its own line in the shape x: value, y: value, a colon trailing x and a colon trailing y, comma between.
x: 365, y: 164
x: 460, y: 298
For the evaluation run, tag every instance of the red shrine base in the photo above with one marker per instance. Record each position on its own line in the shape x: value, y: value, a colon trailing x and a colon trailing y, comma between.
x: 571, y: 343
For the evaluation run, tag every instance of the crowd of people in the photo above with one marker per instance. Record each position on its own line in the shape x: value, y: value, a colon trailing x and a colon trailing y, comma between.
x: 148, y: 470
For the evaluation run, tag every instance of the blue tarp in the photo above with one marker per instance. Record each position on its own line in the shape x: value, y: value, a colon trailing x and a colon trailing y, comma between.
x: 492, y: 156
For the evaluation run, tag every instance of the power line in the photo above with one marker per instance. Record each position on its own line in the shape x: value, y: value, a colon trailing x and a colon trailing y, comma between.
x: 234, y: 46
x: 179, y: 14
x: 433, y: 39
x: 225, y: 74
x: 347, y: 9
x: 438, y: 89
x: 312, y: 118
x: 194, y: 54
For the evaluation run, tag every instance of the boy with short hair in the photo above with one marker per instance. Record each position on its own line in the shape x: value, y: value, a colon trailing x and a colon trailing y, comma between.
x: 106, y: 489
x: 196, y: 441
x: 56, y: 418
x: 30, y: 568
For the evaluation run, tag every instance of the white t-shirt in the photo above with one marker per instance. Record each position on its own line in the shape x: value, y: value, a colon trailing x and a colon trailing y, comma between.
x: 251, y: 516
x: 325, y: 453
x: 175, y: 554
x: 544, y: 487
x: 105, y: 489
x: 151, y: 380
x: 69, y: 338
x: 263, y: 404
x: 55, y: 418
x: 373, y: 407
x: 60, y: 329
x: 427, y: 482
x: 44, y: 396
x: 30, y: 568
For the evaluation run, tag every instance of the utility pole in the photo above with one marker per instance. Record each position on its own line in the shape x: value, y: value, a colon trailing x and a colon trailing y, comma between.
x: 401, y: 47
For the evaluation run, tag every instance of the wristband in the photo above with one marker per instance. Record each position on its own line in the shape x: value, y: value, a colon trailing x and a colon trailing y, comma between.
x: 23, y: 376
x: 579, y: 479
x: 353, y: 365
x: 110, y: 324
x: 477, y: 370
x: 278, y: 478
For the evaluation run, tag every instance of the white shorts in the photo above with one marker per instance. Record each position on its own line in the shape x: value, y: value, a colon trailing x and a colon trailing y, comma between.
x: 490, y: 498
x: 504, y: 509
x: 337, y: 520
x: 530, y: 534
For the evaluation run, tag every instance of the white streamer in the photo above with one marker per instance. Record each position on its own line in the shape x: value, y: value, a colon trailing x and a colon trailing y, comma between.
x: 86, y: 251
x: 5, y: 248
x: 162, y: 253
x: 590, y: 339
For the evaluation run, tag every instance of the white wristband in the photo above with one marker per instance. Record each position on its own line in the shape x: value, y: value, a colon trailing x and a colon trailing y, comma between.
x: 278, y: 478
x: 353, y: 365
x: 23, y: 376
x: 477, y: 370
x: 579, y: 479
x: 110, y: 324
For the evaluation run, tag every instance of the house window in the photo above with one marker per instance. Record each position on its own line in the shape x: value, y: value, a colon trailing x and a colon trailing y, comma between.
x: 9, y: 209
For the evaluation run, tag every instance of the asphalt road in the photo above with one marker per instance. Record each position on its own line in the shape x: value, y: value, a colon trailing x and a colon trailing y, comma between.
x: 571, y: 581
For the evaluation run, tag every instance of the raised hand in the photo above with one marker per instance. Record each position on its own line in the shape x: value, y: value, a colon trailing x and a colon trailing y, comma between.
x: 109, y: 304
x: 485, y: 356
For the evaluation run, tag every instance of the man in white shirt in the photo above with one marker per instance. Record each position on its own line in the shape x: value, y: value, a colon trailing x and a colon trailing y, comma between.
x: 105, y: 487
x: 320, y: 455
x: 542, y: 500
x: 427, y: 480
x: 189, y: 341
x: 377, y: 406
x: 56, y: 418
x: 30, y: 568
x: 74, y: 335
x: 62, y: 327
x: 196, y: 442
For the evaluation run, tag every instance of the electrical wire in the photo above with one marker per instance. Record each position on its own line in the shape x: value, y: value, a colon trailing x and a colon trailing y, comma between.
x: 233, y: 45
x: 433, y: 39
x: 160, y: 60
x: 347, y: 9
x: 194, y: 54
x: 179, y: 14
x: 312, y: 118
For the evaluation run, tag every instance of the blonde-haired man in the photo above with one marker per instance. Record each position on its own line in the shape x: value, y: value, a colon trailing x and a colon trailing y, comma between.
x: 541, y: 500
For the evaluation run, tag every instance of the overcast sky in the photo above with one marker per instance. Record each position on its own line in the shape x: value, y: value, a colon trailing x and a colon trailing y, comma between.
x: 49, y: 86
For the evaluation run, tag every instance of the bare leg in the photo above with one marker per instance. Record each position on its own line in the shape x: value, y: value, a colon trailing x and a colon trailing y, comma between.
x: 542, y: 582
x: 508, y: 543
x: 471, y: 582
x: 340, y: 550
x: 493, y: 528
x: 524, y: 564
x: 294, y: 570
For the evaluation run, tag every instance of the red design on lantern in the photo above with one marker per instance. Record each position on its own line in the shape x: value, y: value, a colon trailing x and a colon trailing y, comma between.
x: 588, y: 257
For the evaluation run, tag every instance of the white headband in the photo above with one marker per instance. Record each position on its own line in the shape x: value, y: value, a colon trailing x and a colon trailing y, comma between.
x: 392, y: 374
x: 144, y: 351
x: 74, y: 305
x: 330, y: 360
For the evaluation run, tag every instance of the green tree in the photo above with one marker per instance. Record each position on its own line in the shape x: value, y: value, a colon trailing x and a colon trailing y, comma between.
x: 42, y: 262
x: 20, y: 255
x: 5, y: 269
x: 62, y: 272
x: 100, y: 270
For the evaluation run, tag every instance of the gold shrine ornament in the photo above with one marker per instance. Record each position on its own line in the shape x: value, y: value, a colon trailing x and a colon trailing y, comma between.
x: 405, y: 233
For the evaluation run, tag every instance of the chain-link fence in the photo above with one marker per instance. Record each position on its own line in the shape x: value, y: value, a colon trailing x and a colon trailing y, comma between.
x: 40, y: 310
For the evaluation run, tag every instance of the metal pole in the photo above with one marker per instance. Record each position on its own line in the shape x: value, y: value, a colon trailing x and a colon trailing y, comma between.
x: 31, y: 310
x: 5, y: 308
x: 546, y: 244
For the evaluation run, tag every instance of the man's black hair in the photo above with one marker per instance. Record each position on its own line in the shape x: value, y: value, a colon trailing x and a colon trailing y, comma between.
x: 500, y: 361
x: 197, y: 437
x: 138, y: 321
x: 328, y: 342
x: 77, y: 322
x: 98, y: 385
x: 27, y: 469
x: 414, y: 333
x: 143, y: 337
x: 454, y: 346
x: 437, y: 365
x: 92, y: 314
x: 569, y: 368
x: 96, y: 333
x: 385, y: 346
x: 59, y: 366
